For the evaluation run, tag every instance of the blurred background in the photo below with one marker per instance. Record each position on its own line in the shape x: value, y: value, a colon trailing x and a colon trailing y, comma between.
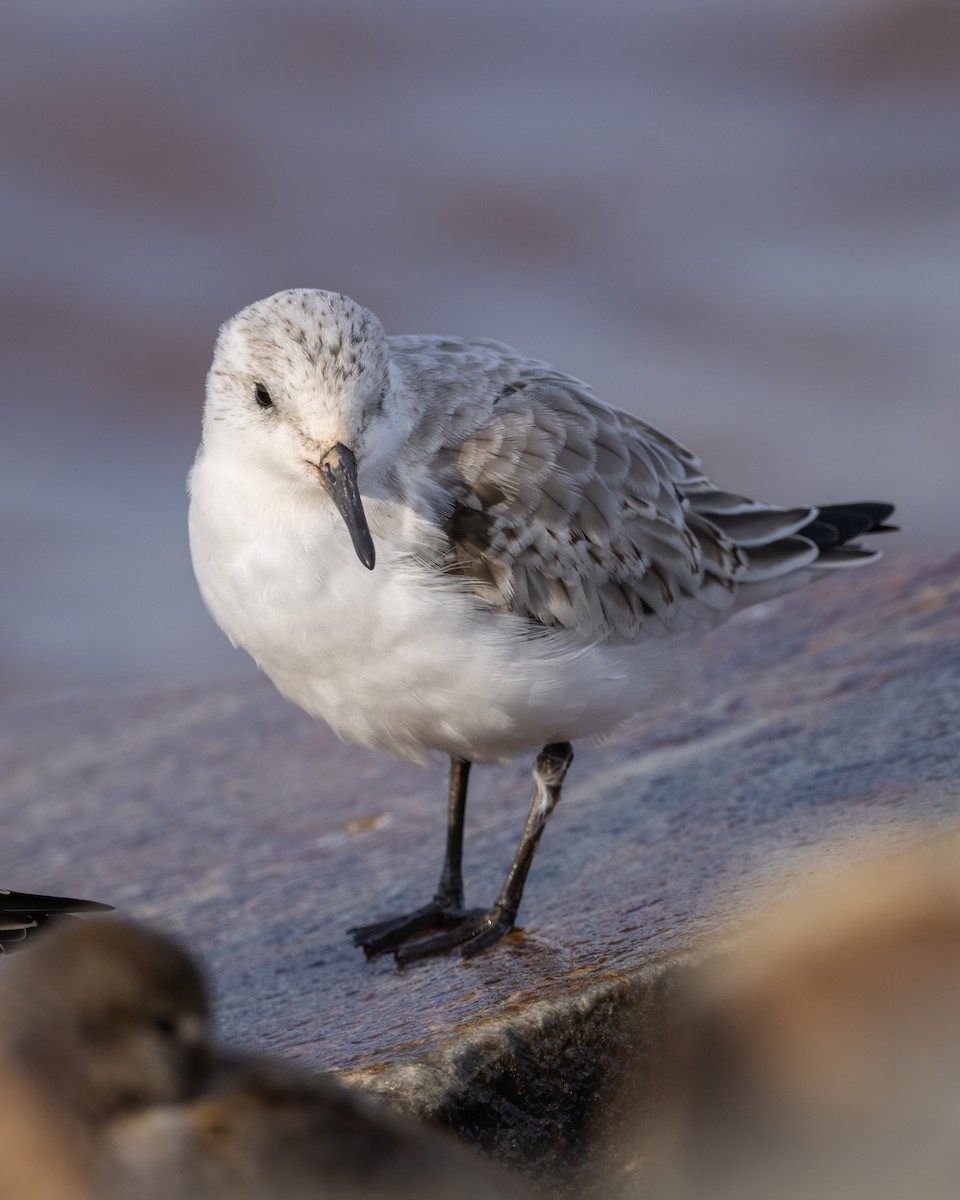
x: 741, y: 221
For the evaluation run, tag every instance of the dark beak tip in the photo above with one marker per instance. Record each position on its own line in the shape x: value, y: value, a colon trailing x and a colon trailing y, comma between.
x: 338, y: 471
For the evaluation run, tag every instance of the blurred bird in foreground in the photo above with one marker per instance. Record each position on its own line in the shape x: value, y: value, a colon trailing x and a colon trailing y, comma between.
x: 100, y: 1019
x: 21, y: 913
x: 266, y: 1131
x: 111, y: 1090
x: 440, y: 545
x: 822, y: 1061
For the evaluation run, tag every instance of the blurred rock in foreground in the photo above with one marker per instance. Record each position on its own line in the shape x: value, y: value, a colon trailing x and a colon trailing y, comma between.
x: 820, y: 1060
x: 224, y: 815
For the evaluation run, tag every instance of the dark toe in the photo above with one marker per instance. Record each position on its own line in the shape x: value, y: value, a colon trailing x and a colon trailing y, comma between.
x: 474, y: 933
x: 386, y: 935
x: 486, y: 936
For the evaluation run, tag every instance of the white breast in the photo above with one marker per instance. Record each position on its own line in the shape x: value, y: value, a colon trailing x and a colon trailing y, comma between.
x: 397, y: 658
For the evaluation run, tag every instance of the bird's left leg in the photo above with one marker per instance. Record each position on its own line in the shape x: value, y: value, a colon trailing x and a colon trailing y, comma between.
x: 446, y: 907
x: 481, y: 929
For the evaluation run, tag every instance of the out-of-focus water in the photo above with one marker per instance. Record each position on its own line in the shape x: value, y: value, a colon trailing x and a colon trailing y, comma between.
x: 741, y: 221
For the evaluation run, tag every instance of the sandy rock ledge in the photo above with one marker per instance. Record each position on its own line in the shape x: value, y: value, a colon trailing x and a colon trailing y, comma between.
x: 822, y: 726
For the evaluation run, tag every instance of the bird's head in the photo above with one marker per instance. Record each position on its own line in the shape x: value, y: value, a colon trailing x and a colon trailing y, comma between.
x: 300, y: 386
x: 109, y: 1015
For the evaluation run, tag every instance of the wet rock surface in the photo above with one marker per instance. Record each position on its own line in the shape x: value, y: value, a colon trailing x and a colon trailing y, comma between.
x: 825, y: 724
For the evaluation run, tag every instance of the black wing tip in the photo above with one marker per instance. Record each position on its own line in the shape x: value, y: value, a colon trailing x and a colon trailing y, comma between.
x: 24, y: 915
x: 35, y: 902
x: 837, y: 524
x: 877, y: 512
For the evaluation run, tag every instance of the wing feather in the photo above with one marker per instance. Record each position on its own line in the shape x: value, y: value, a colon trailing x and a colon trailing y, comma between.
x: 555, y: 506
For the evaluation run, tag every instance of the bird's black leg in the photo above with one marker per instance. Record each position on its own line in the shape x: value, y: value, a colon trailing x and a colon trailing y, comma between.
x: 446, y: 908
x: 477, y: 930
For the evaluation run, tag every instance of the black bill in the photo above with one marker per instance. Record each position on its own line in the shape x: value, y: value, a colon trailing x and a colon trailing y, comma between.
x: 338, y: 474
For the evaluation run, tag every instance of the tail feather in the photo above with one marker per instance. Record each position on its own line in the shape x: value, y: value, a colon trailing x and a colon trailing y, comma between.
x: 876, y: 510
x: 783, y: 549
x: 836, y: 524
x: 775, y: 550
x: 835, y: 527
x: 762, y: 526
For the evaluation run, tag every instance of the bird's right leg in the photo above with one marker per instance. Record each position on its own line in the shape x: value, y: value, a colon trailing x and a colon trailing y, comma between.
x: 446, y: 908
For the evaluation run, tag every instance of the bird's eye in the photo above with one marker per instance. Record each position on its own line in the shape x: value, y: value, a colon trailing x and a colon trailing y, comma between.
x: 263, y: 396
x: 165, y: 1025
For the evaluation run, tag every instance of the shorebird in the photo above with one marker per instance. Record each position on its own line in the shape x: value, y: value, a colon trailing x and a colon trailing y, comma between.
x: 111, y: 1088
x: 263, y: 1130
x: 441, y: 546
x: 101, y: 1019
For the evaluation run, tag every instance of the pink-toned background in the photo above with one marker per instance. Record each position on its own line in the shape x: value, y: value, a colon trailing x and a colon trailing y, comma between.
x: 740, y: 220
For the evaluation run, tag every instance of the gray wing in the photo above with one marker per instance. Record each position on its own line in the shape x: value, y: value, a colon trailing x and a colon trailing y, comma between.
x: 579, y: 516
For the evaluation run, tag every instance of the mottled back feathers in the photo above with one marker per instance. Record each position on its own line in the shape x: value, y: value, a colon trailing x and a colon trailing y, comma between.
x: 578, y: 516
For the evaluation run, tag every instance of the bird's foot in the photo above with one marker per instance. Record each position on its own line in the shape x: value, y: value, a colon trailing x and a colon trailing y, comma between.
x: 475, y: 931
x: 441, y: 913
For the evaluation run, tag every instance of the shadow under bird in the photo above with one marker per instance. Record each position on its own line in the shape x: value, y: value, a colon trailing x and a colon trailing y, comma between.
x: 441, y: 546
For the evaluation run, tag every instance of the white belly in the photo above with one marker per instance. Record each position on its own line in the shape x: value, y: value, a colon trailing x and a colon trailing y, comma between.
x: 396, y: 658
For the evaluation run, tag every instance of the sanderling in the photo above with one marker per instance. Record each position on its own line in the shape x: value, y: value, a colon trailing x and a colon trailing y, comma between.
x: 438, y: 545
